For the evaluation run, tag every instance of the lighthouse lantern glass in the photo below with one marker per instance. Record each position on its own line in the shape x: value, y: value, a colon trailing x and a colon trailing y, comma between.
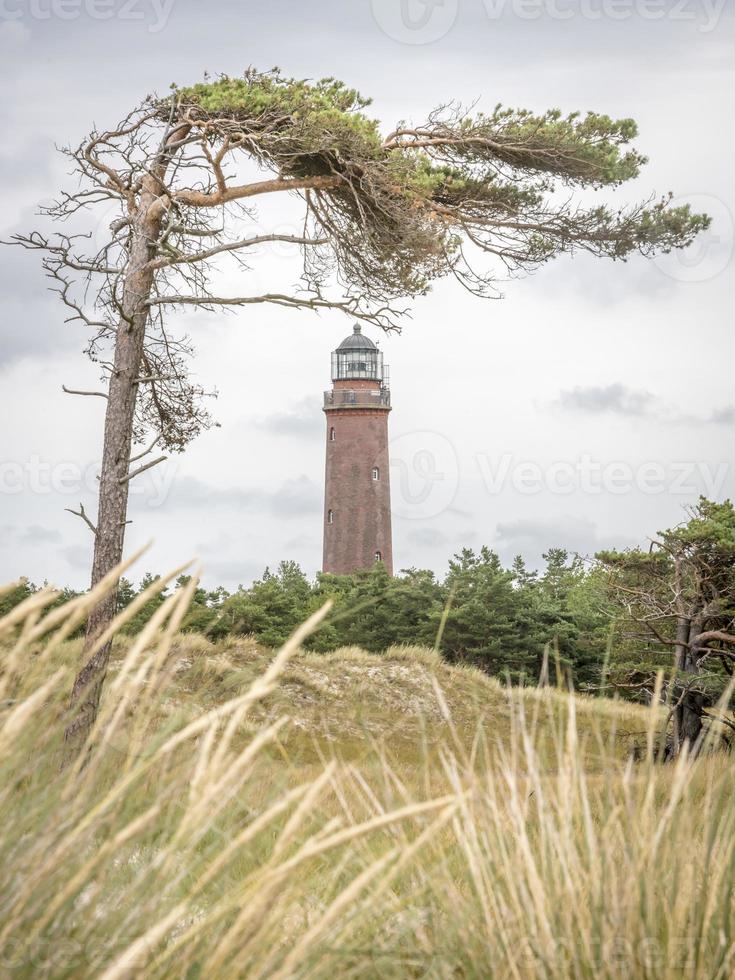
x: 348, y: 364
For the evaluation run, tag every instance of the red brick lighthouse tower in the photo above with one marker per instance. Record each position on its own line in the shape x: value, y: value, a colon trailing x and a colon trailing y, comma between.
x: 357, y: 530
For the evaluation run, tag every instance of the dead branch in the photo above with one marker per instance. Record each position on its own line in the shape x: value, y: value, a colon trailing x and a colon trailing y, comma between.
x: 720, y: 718
x: 716, y: 635
x: 151, y: 447
x: 142, y: 469
x: 82, y: 513
x: 234, y: 247
x: 73, y: 391
x: 384, y: 317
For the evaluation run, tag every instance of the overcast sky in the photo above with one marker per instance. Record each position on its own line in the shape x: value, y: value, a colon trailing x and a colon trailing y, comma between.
x: 586, y: 408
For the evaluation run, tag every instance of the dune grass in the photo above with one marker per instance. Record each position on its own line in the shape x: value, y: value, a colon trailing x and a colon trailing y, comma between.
x: 241, y: 812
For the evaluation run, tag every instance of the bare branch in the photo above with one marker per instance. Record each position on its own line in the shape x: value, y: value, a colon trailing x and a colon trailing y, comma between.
x: 199, y: 199
x: 73, y: 391
x: 717, y: 635
x: 179, y: 229
x: 234, y: 247
x: 720, y: 718
x: 383, y: 317
x: 82, y: 513
x: 151, y: 447
x: 142, y: 469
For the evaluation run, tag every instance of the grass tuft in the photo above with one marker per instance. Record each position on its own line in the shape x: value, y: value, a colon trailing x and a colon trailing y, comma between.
x: 241, y: 812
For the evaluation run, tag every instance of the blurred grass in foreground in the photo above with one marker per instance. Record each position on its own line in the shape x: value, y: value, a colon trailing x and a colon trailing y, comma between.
x: 244, y: 813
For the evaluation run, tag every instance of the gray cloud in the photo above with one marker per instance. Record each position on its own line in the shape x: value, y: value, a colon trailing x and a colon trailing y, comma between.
x: 215, y: 545
x: 231, y: 572
x: 293, y: 498
x: 221, y: 568
x: 427, y: 537
x: 532, y: 538
x: 32, y: 162
x: 723, y: 416
x: 597, y: 282
x: 77, y: 556
x: 305, y: 421
x: 303, y: 542
x: 33, y: 535
x: 32, y: 324
x: 616, y: 399
x: 718, y: 416
x: 37, y: 535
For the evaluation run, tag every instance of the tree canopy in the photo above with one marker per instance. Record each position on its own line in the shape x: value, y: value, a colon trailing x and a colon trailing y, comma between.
x: 643, y: 623
x: 675, y: 605
x: 476, y: 195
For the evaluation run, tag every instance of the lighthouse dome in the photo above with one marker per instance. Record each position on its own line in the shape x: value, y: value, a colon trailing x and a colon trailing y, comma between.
x: 357, y: 340
x: 358, y: 358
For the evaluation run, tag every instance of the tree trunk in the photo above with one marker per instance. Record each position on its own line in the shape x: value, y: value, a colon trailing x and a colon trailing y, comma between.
x: 688, y: 715
x: 690, y: 721
x: 680, y: 651
x: 118, y: 437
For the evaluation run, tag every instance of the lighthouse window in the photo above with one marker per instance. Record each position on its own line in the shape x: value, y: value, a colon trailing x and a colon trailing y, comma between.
x: 376, y: 473
x: 332, y: 435
x: 330, y: 517
x: 378, y: 556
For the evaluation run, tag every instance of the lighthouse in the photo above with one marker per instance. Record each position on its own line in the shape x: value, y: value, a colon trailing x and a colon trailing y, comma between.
x: 357, y: 528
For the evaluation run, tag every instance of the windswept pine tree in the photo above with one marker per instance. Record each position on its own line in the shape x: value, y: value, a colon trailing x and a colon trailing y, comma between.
x: 462, y: 193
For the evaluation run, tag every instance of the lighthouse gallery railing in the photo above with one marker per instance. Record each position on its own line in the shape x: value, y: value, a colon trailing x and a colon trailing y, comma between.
x: 359, y: 398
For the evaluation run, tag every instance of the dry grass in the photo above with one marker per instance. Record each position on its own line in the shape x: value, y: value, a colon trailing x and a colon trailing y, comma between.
x: 242, y: 813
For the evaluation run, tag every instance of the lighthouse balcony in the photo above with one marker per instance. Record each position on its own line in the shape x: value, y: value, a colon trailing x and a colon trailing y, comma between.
x: 357, y: 398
